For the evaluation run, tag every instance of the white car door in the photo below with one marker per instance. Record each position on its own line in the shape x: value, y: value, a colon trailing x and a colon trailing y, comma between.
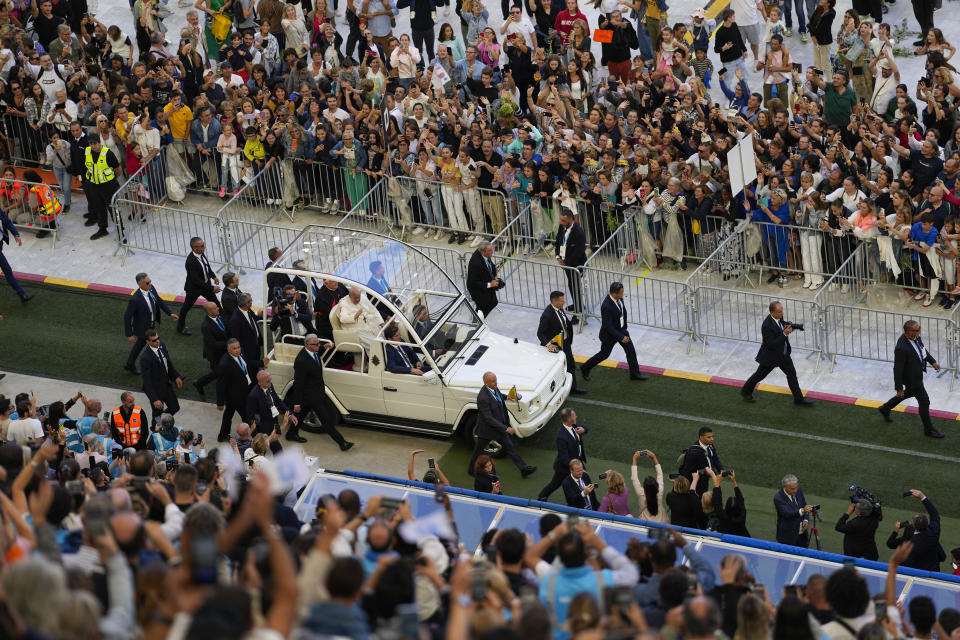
x: 359, y: 391
x: 413, y: 397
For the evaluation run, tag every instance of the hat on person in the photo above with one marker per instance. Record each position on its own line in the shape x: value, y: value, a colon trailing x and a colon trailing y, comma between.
x: 883, y: 63
x: 698, y: 13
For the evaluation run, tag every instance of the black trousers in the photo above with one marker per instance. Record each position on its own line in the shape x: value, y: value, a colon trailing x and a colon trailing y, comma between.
x: 606, y: 348
x: 135, y: 352
x: 923, y: 404
x: 923, y: 12
x: 421, y: 38
x: 487, y: 307
x: 554, y: 484
x: 190, y: 299
x: 508, y: 447
x: 226, y: 421
x: 323, y: 413
x: 786, y: 365
x: 98, y: 202
x: 207, y: 378
x: 573, y: 284
x: 170, y: 405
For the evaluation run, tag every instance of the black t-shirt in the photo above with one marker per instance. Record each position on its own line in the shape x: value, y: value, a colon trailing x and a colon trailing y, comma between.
x: 47, y: 28
x: 485, y: 178
x: 925, y: 170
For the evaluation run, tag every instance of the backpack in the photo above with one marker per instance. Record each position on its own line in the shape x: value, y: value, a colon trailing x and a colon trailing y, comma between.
x: 237, y: 9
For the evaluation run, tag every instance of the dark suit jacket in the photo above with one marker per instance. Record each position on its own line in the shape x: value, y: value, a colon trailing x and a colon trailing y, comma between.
x: 257, y: 404
x: 250, y: 341
x: 550, y: 326
x: 381, y: 287
x: 157, y: 382
x: 927, y: 553
x: 138, y: 317
x: 6, y: 230
x: 214, y: 339
x: 771, y: 350
x: 492, y: 416
x: 859, y: 536
x: 232, y: 385
x: 576, y: 253
x: 478, y: 276
x: 572, y: 493
x: 395, y: 363
x: 198, y: 277
x: 694, y: 459
x: 325, y: 302
x: 275, y: 281
x: 228, y: 301
x: 567, y: 449
x: 788, y: 516
x: 610, y: 321
x: 907, y: 367
x: 308, y: 385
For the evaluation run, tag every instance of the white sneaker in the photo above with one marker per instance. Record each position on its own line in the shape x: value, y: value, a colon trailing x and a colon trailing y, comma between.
x: 474, y: 242
x: 806, y: 285
x: 919, y: 296
x: 417, y: 231
x: 439, y: 234
x: 815, y: 285
x: 927, y: 301
x: 832, y: 287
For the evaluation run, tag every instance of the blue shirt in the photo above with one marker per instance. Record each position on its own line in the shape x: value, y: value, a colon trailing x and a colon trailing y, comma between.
x: 917, y: 235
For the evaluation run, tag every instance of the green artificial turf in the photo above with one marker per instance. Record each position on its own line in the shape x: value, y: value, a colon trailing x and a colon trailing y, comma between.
x: 826, y: 470
x: 78, y: 335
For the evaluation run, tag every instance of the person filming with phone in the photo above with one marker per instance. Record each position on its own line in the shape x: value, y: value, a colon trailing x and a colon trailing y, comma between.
x: 578, y: 488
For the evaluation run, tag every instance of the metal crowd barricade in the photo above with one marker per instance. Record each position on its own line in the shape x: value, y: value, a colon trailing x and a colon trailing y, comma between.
x: 529, y: 282
x: 248, y: 243
x: 24, y: 143
x: 26, y: 214
x: 451, y: 261
x: 259, y: 200
x: 441, y: 210
x: 374, y: 211
x: 147, y: 185
x: 167, y: 230
x: 780, y: 247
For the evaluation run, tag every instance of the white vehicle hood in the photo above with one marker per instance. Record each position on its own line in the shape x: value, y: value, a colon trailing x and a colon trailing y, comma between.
x: 523, y: 364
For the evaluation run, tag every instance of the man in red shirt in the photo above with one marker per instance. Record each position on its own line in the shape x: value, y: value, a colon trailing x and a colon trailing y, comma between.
x: 566, y: 18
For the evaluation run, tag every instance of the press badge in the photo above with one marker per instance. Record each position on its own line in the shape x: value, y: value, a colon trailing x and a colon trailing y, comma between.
x: 274, y: 412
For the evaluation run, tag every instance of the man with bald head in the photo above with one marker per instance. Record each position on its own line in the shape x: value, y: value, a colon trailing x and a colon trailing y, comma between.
x: 215, y: 336
x: 936, y: 206
x: 493, y: 425
x: 270, y: 411
x: 357, y: 312
x: 701, y: 618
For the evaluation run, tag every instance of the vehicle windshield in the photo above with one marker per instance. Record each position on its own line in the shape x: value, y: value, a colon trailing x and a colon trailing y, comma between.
x: 447, y: 338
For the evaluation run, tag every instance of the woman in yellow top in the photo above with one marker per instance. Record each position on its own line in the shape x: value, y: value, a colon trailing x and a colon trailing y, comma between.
x: 452, y: 195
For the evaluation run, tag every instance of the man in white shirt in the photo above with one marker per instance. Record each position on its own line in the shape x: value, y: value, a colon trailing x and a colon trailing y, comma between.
x: 357, y: 312
x: 60, y: 113
x: 333, y: 111
x: 50, y: 77
x: 519, y: 24
x: 27, y: 429
x: 886, y: 78
x: 228, y: 79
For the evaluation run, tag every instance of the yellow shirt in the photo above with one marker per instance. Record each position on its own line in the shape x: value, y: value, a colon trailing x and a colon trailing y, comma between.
x: 253, y: 149
x: 179, y: 121
x: 653, y: 11
x: 125, y: 127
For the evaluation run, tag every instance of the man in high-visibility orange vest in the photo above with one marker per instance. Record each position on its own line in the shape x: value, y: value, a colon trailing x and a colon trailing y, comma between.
x: 128, y: 423
x: 48, y: 207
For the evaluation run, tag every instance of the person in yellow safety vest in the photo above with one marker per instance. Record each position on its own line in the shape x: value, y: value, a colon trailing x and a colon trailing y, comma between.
x: 101, y: 166
x: 128, y: 423
x: 48, y: 207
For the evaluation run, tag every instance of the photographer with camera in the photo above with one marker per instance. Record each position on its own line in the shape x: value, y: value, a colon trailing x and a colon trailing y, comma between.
x: 860, y: 532
x: 774, y: 353
x: 924, y: 532
x: 291, y: 314
x: 732, y: 516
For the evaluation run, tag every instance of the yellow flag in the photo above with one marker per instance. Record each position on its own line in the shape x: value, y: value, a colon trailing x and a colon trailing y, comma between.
x: 558, y: 339
x: 512, y: 394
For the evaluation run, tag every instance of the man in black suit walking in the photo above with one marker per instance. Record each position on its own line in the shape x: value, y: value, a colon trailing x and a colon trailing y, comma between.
x: 493, y: 424
x: 263, y: 401
x: 215, y: 336
x: 245, y: 326
x: 230, y: 294
x: 159, y: 376
x: 774, y: 353
x: 554, y: 322
x: 571, y: 250
x: 579, y: 491
x: 569, y: 447
x: 910, y: 359
x: 613, y: 330
x: 309, y: 393
x: 143, y: 312
x: 234, y: 379
x: 482, y: 280
x: 201, y: 281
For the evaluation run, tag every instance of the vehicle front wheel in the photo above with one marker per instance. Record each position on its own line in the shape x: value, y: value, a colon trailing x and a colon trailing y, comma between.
x: 468, y: 431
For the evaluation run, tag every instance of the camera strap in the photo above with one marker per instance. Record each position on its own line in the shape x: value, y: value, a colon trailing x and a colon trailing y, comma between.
x: 846, y: 626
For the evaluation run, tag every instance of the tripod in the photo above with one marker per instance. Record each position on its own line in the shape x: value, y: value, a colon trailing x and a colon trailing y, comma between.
x: 813, y: 527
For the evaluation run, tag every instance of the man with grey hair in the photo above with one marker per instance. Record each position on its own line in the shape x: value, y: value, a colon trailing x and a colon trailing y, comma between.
x: 859, y: 534
x: 793, y: 513
x: 774, y: 353
x: 143, y: 312
x: 309, y: 395
x: 482, y: 280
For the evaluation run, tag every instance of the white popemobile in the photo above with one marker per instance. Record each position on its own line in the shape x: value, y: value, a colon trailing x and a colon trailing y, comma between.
x: 436, y: 321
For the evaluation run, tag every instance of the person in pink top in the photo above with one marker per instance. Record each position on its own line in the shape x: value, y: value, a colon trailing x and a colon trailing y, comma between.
x: 565, y: 19
x: 616, y: 500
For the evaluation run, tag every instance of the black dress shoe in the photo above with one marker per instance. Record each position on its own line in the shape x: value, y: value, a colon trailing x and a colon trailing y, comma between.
x: 529, y: 470
x: 102, y: 233
x: 639, y: 376
x: 747, y: 398
x: 578, y: 390
x: 933, y: 433
x: 132, y: 370
x: 198, y: 387
x: 25, y: 298
x: 803, y: 402
x: 585, y: 374
x: 346, y: 446
x: 885, y: 414
x: 296, y: 438
x: 185, y: 331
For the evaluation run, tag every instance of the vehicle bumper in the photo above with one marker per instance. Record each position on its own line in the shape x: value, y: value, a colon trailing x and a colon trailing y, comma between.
x: 525, y: 429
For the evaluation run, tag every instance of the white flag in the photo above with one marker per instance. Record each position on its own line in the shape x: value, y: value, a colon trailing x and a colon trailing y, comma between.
x: 436, y: 524
x: 440, y: 76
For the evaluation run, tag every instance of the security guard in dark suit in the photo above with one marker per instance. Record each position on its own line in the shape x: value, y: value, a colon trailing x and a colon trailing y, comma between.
x: 234, y: 381
x: 554, y: 322
x: 910, y: 360
x: 493, y: 424
x: 309, y: 393
x: 143, y: 312
x: 774, y: 353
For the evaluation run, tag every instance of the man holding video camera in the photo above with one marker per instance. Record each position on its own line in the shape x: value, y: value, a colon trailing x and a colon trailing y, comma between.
x: 859, y: 533
x: 774, y: 353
